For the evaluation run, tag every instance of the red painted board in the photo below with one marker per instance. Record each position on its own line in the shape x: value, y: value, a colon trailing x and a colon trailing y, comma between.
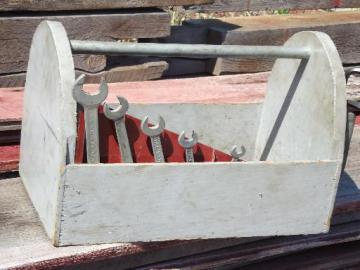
x: 242, y: 88
x: 11, y: 104
x: 9, y: 158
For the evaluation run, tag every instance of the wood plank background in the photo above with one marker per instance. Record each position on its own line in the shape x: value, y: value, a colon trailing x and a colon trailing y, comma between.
x: 342, y: 27
x: 51, y: 5
x: 16, y: 33
x: 242, y: 5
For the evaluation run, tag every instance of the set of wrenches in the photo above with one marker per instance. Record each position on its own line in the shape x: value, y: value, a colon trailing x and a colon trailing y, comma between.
x: 91, y: 102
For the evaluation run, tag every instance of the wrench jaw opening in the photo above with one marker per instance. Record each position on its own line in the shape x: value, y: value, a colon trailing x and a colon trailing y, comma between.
x: 188, y: 144
x: 90, y: 103
x: 235, y: 154
x: 155, y: 130
x: 154, y: 133
x: 119, y: 112
x: 117, y: 115
x: 89, y: 99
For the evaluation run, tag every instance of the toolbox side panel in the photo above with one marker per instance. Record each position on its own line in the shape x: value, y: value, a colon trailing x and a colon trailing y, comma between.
x: 48, y: 125
x: 155, y: 202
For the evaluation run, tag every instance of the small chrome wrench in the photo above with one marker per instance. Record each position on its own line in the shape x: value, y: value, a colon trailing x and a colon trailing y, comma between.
x: 90, y: 103
x: 188, y: 145
x: 118, y: 116
x: 154, y: 134
x: 235, y: 154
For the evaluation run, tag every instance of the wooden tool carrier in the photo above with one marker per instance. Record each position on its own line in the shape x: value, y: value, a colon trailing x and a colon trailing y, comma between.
x: 286, y: 185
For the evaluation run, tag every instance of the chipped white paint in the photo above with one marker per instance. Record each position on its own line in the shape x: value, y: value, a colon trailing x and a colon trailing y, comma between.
x: 48, y: 122
x: 106, y: 203
x: 147, y: 202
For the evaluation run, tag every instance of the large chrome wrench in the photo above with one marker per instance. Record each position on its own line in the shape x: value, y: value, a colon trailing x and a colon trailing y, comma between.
x: 188, y: 145
x: 154, y: 134
x: 118, y: 116
x: 90, y: 103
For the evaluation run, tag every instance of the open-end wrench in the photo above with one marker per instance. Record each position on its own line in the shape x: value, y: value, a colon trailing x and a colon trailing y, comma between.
x: 118, y: 116
x: 90, y: 103
x: 235, y: 154
x: 188, y: 145
x: 154, y: 134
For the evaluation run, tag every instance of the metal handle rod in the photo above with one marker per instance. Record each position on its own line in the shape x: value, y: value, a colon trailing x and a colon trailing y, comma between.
x: 187, y: 50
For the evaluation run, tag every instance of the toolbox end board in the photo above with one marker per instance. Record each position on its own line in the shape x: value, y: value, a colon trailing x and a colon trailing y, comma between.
x: 49, y: 120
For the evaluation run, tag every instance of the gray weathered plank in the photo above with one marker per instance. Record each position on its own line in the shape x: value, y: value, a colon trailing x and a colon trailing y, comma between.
x: 51, y: 5
x: 243, y: 256
x: 242, y: 5
x: 138, y: 72
x: 16, y: 33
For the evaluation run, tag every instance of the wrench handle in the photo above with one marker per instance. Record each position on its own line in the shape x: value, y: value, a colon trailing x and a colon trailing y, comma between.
x: 123, y: 141
x: 189, y: 155
x: 92, y: 134
x: 157, y: 149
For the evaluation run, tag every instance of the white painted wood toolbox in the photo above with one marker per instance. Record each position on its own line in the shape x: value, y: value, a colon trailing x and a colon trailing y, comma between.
x: 294, y: 144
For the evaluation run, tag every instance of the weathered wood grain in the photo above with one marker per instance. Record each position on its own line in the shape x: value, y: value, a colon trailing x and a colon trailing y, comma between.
x: 342, y: 27
x: 242, y: 5
x: 16, y: 33
x: 138, y: 72
x: 51, y: 5
x: 339, y: 256
x: 237, y: 257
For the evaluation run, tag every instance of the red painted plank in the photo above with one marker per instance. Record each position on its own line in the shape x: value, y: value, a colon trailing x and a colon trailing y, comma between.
x: 9, y: 158
x: 223, y: 89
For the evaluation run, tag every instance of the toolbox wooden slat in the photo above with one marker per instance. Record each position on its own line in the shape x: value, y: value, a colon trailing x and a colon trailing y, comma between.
x: 51, y: 5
